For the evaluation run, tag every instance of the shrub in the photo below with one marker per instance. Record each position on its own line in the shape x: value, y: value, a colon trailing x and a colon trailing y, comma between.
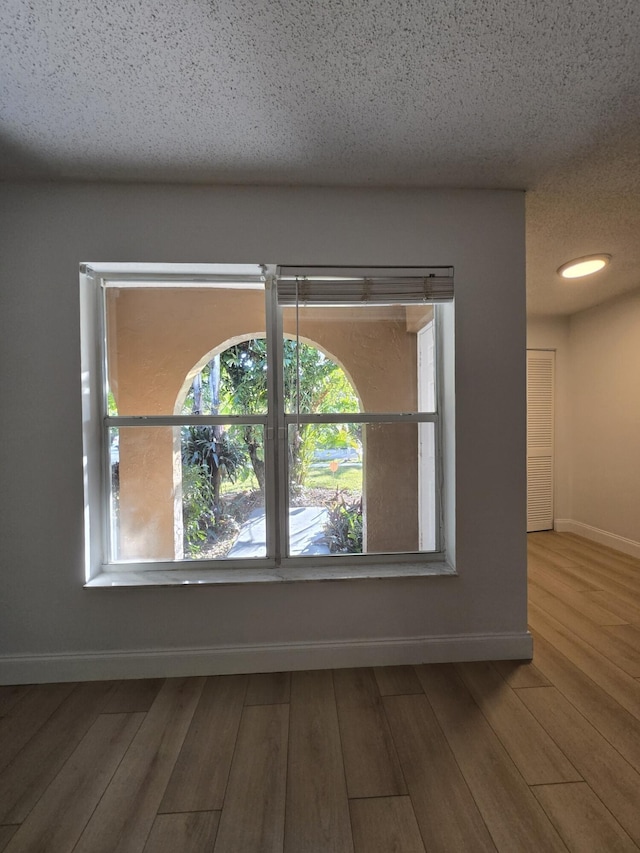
x: 344, y: 528
x: 197, y: 507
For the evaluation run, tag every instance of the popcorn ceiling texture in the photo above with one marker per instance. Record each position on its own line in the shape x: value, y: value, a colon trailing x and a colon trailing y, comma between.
x: 543, y: 96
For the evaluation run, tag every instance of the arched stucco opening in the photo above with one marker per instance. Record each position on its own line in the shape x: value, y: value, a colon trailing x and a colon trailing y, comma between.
x: 323, y: 376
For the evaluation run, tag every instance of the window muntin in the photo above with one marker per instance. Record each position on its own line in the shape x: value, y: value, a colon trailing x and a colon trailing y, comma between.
x: 278, y: 429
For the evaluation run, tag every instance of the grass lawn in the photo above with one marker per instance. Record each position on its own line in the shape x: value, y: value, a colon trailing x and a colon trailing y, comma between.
x: 348, y: 476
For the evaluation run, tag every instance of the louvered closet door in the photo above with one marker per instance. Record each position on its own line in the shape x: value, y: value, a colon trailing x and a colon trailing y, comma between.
x: 540, y: 382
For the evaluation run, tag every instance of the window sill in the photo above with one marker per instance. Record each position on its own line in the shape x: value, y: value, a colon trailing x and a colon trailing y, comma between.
x: 228, y: 577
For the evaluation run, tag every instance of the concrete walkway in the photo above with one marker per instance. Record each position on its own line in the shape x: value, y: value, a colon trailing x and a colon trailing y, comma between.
x: 306, y: 533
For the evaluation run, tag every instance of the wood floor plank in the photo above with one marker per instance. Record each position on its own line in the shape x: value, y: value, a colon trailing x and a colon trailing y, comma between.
x: 385, y: 825
x: 610, y: 776
x: 199, y: 779
x: 529, y: 746
x: 444, y: 807
x: 27, y: 716
x: 582, y: 820
x: 603, y: 580
x: 10, y: 694
x: 521, y: 673
x: 629, y: 634
x: 603, y: 549
x: 317, y: 815
x: 599, y: 637
x: 123, y: 819
x: 572, y: 578
x: 621, y: 686
x: 133, y: 696
x: 23, y: 781
x: 552, y: 540
x: 623, y: 642
x: 60, y: 815
x: 608, y: 575
x: 549, y: 557
x: 269, y: 688
x: 628, y: 638
x: 577, y: 600
x: 189, y: 832
x: 513, y: 815
x: 397, y: 680
x: 549, y: 541
x: 576, y: 577
x: 628, y: 610
x: 6, y: 833
x: 584, y: 553
x: 614, y: 722
x: 252, y: 818
x: 611, y: 564
x: 371, y: 764
x: 585, y: 618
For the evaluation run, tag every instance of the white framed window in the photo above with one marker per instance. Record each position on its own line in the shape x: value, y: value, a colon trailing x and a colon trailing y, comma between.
x: 261, y: 416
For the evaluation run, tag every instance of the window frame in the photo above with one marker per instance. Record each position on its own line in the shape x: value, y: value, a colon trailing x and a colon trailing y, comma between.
x: 276, y: 424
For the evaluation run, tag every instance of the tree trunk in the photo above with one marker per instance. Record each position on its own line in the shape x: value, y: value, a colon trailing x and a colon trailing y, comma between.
x: 214, y: 384
x: 257, y: 464
x: 216, y: 481
x: 197, y: 394
x: 214, y: 388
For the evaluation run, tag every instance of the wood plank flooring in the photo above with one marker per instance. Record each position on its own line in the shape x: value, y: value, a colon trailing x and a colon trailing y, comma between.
x: 492, y: 756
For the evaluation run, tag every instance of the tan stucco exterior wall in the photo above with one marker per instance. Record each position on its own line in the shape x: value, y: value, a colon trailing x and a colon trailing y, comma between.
x: 158, y: 339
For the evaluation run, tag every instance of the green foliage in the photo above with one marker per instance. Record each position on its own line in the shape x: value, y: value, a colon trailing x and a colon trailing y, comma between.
x: 211, y: 449
x: 323, y: 385
x: 197, y: 504
x: 318, y: 384
x: 339, y: 437
x: 343, y: 530
x: 235, y: 383
x: 208, y: 456
x: 243, y: 378
x: 112, y: 409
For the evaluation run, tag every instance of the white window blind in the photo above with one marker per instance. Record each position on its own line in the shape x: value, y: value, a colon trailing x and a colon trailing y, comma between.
x: 358, y: 285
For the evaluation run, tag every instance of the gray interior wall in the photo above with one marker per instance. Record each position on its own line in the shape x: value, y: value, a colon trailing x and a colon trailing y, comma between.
x: 605, y: 399
x: 597, y: 417
x: 47, y: 230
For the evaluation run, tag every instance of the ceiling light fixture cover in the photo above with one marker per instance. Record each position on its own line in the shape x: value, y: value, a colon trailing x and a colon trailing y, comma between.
x: 583, y: 266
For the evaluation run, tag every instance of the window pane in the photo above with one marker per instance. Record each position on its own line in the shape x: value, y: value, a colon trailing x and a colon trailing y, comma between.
x: 186, y: 350
x: 362, y: 488
x: 187, y: 493
x: 383, y: 358
x: 318, y: 381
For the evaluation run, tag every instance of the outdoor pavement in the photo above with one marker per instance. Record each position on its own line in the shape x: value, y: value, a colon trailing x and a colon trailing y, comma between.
x: 306, y: 533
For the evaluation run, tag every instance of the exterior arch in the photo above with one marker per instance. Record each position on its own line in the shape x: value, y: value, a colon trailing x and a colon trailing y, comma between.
x: 239, y: 339
x: 206, y: 358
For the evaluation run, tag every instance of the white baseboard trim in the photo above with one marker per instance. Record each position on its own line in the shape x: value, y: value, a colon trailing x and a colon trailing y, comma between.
x: 602, y: 537
x: 225, y: 660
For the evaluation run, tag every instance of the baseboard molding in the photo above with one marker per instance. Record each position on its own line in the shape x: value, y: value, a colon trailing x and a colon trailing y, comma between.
x: 602, y: 537
x: 225, y: 660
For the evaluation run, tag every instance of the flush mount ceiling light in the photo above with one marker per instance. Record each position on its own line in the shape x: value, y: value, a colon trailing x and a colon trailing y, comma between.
x: 583, y: 266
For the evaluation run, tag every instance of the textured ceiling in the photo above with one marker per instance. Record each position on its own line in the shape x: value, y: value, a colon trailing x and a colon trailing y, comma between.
x: 542, y: 95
